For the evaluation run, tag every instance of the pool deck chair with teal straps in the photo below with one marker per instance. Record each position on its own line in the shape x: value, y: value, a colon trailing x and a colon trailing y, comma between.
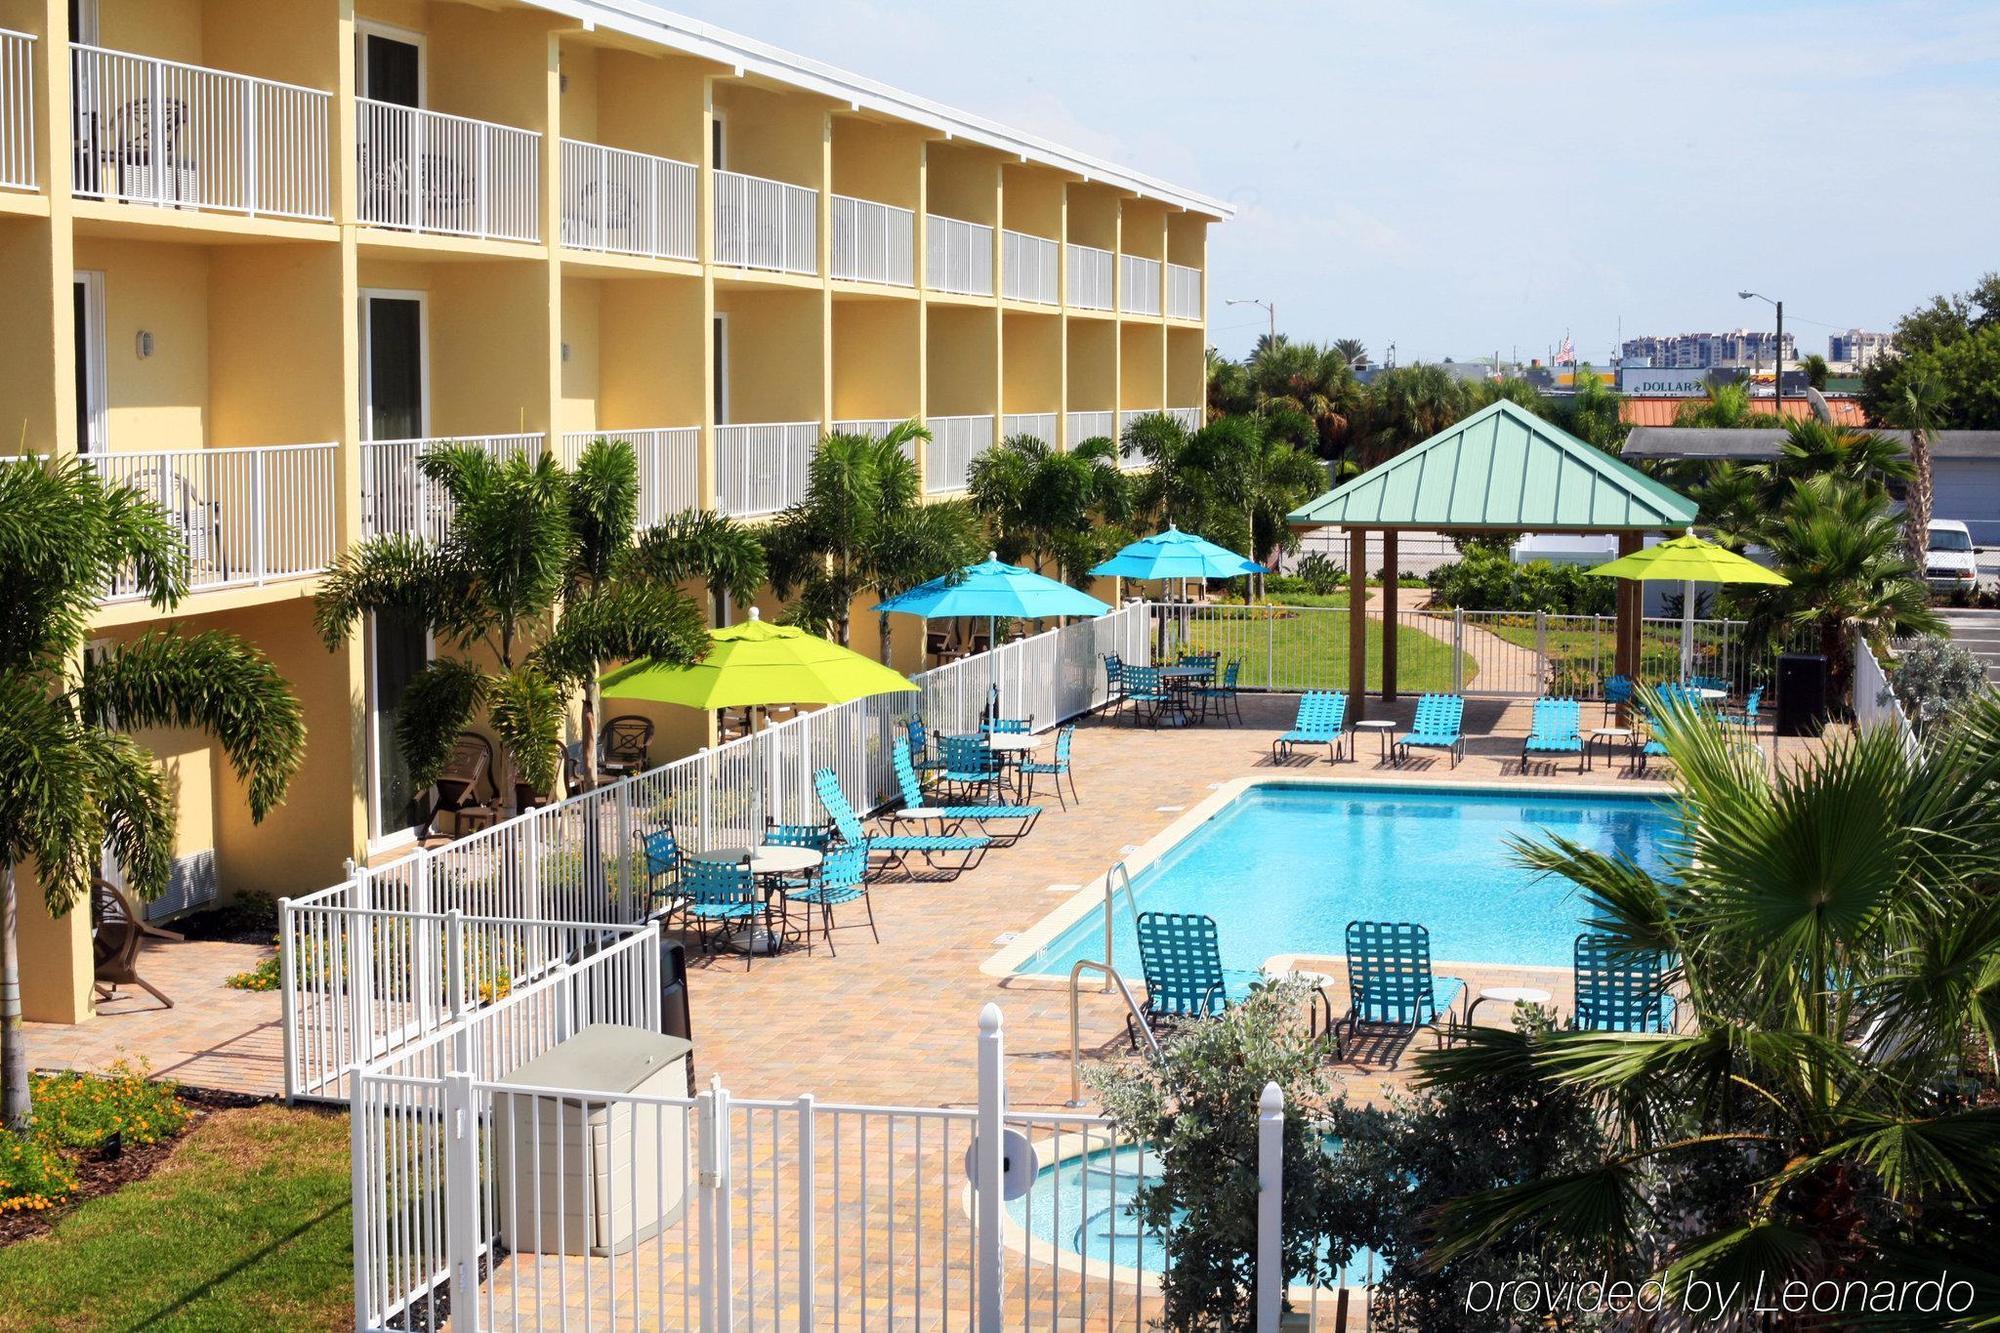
x: 1389, y: 983
x: 722, y: 895
x: 1439, y: 725
x: 1004, y: 824
x: 1322, y: 720
x: 947, y: 853
x: 1181, y: 956
x: 1620, y: 989
x: 1557, y: 728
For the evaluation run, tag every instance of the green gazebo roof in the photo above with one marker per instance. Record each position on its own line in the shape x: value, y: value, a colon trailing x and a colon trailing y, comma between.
x: 1502, y: 467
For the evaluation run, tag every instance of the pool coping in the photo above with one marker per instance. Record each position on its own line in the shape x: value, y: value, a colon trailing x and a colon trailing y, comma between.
x: 1025, y: 945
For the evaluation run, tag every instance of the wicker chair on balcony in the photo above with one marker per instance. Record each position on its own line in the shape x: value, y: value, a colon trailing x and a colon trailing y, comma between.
x: 197, y: 522
x: 446, y: 196
x: 150, y: 157
x: 457, y: 788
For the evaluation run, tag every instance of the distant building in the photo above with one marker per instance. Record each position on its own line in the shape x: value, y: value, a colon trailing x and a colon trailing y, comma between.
x: 1705, y: 351
x: 1858, y: 347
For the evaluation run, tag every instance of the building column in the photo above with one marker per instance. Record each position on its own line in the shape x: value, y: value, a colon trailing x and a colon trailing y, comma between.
x: 1388, y: 614
x: 1357, y: 623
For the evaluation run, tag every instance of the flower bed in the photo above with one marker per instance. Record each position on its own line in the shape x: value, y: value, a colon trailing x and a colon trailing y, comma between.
x: 84, y: 1130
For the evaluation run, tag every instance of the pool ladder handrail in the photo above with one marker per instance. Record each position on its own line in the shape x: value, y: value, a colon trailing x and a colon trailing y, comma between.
x: 1114, y: 878
x: 1111, y: 978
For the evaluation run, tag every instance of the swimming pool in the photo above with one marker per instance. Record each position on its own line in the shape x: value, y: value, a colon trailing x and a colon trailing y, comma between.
x: 1284, y: 867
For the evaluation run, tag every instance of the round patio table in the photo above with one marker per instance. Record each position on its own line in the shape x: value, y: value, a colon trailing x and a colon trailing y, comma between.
x: 769, y: 863
x: 1182, y: 681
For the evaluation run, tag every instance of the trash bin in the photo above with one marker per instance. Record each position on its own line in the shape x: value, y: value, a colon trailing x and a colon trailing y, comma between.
x: 578, y: 1175
x: 674, y: 1018
x: 1802, y: 691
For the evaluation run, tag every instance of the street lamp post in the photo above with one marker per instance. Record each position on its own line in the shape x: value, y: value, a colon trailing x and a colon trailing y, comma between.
x: 1270, y: 308
x: 1778, y: 351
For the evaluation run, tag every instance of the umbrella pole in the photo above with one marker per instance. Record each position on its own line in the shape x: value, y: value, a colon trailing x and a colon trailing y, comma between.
x: 993, y: 667
x: 1687, y: 631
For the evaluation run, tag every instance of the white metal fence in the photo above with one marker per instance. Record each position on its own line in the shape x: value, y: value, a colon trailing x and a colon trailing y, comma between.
x: 17, y: 110
x: 873, y: 242
x: 765, y: 224
x: 431, y: 172
x: 955, y: 442
x: 958, y: 256
x: 627, y: 203
x: 181, y: 136
x: 397, y: 499
x: 1183, y: 292
x: 1875, y: 703
x: 1090, y: 425
x: 669, y: 459
x: 760, y: 469
x: 245, y: 516
x: 1190, y: 418
x: 1030, y: 268
x: 1041, y: 425
x: 1138, y: 285
x: 1090, y: 271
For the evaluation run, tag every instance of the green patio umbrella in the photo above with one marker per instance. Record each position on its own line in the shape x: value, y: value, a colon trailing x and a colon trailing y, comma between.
x: 1688, y: 560
x: 755, y: 664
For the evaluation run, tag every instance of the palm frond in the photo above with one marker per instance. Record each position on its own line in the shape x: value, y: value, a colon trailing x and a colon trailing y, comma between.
x: 700, y: 544
x: 1591, y: 1208
x: 43, y: 814
x: 135, y: 812
x: 527, y: 716
x: 395, y: 575
x: 438, y: 703
x: 627, y: 619
x: 603, y: 509
x: 1950, y: 1155
x: 1744, y: 1258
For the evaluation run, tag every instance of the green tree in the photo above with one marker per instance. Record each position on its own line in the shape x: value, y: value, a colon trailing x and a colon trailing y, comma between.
x: 1228, y: 386
x: 528, y: 595
x: 1046, y: 505
x: 1833, y: 940
x: 1814, y: 365
x: 1408, y: 405
x: 1724, y: 407
x: 1352, y: 351
x: 1253, y: 481
x: 1592, y: 413
x: 1931, y: 341
x: 76, y: 784
x: 1315, y: 382
x: 1813, y: 448
x: 864, y: 530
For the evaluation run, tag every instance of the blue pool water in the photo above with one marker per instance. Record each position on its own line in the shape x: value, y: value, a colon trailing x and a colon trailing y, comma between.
x: 1283, y: 869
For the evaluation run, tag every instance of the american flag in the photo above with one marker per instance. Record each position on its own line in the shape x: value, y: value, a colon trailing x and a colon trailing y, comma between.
x: 1566, y: 354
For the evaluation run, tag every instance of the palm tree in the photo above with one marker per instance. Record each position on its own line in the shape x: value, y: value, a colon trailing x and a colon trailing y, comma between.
x: 864, y: 530
x: 1408, y: 405
x: 1832, y: 936
x: 1814, y: 366
x: 1315, y: 382
x: 1352, y: 351
x: 1042, y: 504
x: 532, y: 577
x: 1228, y: 386
x: 1724, y: 407
x: 1814, y: 448
x: 1254, y: 481
x: 1918, y: 411
x: 1592, y: 413
x: 76, y: 783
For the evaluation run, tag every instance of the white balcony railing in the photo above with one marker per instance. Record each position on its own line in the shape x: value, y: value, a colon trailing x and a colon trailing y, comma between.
x: 246, y: 516
x: 1183, y: 292
x: 765, y: 224
x: 958, y: 256
x: 398, y: 500
x: 1189, y: 417
x: 1138, y: 285
x: 17, y: 110
x: 875, y: 428
x: 1090, y: 277
x: 761, y: 469
x: 955, y: 442
x: 874, y: 242
x: 158, y: 132
x: 627, y: 203
x: 427, y: 171
x: 1041, y: 425
x: 669, y: 460
x: 1029, y: 268
x: 1090, y: 425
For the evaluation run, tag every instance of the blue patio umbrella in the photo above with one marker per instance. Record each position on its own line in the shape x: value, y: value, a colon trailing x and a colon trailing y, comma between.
x: 1174, y: 554
x: 997, y: 591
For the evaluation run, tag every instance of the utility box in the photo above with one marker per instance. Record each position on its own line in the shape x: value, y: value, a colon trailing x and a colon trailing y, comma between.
x: 584, y: 1174
x: 1802, y: 694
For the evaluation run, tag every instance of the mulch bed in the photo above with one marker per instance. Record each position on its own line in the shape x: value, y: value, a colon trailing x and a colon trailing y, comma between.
x: 101, y: 1172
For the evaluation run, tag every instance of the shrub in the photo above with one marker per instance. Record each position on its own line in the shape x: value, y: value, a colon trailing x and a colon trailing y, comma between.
x: 85, y: 1111
x: 1487, y: 580
x: 33, y: 1174
x: 1934, y: 677
x: 263, y: 977
x: 1319, y: 574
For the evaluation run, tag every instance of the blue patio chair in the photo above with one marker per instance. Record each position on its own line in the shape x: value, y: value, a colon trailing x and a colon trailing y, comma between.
x: 1058, y: 768
x: 1114, y: 682
x: 660, y: 857
x: 1007, y: 726
x: 1145, y: 691
x: 1321, y: 720
x: 921, y: 754
x: 970, y: 766
x: 1181, y: 957
x: 1748, y: 716
x: 1617, y: 694
x: 947, y: 853
x: 1222, y: 695
x: 1389, y: 983
x: 1619, y: 989
x: 842, y: 878
x: 721, y: 895
x: 1556, y: 728
x: 1004, y: 824
x: 1439, y: 725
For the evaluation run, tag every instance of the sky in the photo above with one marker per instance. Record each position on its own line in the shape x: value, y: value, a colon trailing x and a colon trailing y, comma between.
x: 1465, y: 177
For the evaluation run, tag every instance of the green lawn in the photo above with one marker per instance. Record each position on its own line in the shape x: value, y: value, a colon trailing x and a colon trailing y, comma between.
x: 245, y: 1226
x: 1586, y: 655
x: 1307, y: 649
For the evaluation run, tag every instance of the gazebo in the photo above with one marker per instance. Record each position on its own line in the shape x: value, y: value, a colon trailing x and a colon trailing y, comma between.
x: 1502, y: 469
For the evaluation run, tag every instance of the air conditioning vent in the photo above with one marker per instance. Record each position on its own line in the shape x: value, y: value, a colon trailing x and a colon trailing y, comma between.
x: 190, y: 884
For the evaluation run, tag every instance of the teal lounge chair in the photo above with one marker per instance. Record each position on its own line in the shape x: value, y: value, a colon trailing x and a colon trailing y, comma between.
x: 1013, y: 821
x: 948, y: 853
x: 1557, y: 728
x: 1389, y: 982
x: 1439, y: 725
x: 1322, y: 720
x: 721, y: 895
x: 1182, y: 961
x: 842, y: 878
x: 1619, y: 989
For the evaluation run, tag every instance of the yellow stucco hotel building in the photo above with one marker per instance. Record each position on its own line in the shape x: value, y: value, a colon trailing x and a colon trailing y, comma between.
x: 256, y: 254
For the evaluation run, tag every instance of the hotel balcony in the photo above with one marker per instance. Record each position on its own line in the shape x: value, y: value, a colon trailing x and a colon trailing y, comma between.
x: 1191, y: 418
x: 17, y: 110
x: 669, y: 459
x: 761, y: 469
x: 625, y: 203
x: 1138, y: 285
x: 398, y: 500
x: 425, y: 171
x: 245, y: 516
x: 874, y: 242
x: 1090, y: 272
x: 958, y: 256
x: 1041, y: 425
x: 1089, y: 425
x: 159, y: 132
x: 955, y: 442
x: 1183, y: 292
x: 1030, y: 268
x: 765, y: 224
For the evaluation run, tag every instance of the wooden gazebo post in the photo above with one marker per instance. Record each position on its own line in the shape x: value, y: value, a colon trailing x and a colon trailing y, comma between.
x: 1630, y: 607
x: 1357, y: 623
x: 1389, y: 635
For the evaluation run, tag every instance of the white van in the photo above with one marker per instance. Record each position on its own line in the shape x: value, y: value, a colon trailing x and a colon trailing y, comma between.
x: 1949, y: 565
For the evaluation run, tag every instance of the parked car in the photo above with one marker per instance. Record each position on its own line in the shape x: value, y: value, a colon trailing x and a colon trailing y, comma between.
x: 1950, y: 565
